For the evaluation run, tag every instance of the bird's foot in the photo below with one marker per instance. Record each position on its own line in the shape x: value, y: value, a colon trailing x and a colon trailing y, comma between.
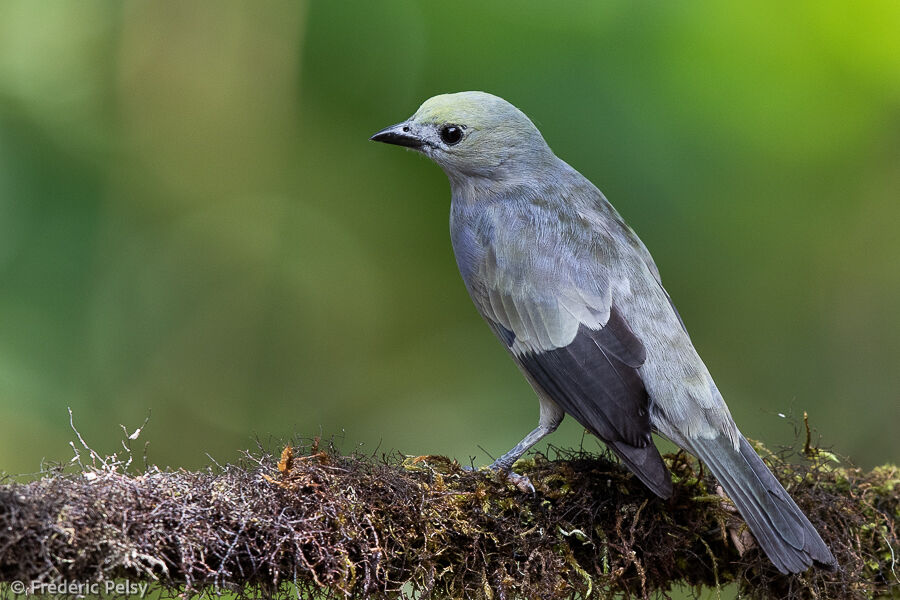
x: 740, y: 535
x: 520, y: 481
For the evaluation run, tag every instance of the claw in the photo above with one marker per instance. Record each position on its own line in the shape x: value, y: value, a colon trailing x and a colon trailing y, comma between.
x: 520, y: 481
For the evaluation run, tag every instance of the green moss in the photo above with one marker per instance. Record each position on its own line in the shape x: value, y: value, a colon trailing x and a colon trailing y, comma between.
x: 349, y: 526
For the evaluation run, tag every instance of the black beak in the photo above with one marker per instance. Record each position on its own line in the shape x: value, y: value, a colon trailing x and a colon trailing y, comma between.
x: 398, y: 135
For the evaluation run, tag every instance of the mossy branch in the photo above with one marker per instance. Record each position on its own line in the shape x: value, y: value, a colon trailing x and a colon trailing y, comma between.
x: 319, y: 524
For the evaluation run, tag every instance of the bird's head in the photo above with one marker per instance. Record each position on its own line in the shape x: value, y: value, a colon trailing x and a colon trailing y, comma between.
x: 471, y: 134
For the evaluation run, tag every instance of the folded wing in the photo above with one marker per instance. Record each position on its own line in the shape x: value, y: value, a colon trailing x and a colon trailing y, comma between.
x: 569, y: 336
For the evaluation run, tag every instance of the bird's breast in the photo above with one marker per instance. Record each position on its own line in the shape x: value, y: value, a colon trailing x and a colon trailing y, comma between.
x: 468, y: 245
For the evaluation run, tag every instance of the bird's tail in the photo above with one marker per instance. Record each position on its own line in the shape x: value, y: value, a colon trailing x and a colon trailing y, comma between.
x: 779, y: 526
x: 647, y: 464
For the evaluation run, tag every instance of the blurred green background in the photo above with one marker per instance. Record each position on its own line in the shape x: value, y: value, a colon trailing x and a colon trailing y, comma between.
x: 193, y: 223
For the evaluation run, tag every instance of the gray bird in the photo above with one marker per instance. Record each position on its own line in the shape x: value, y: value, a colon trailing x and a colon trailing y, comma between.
x: 574, y: 295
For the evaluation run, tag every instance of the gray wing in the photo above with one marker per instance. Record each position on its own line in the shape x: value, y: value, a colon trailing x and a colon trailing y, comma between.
x: 568, y: 335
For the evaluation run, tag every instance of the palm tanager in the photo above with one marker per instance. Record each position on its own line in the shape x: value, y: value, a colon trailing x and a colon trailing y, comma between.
x: 575, y: 297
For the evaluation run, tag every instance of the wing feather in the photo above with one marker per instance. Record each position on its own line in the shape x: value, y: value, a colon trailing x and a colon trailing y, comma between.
x: 560, y: 321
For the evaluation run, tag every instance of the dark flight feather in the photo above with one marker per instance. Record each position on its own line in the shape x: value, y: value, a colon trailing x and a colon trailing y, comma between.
x: 595, y: 379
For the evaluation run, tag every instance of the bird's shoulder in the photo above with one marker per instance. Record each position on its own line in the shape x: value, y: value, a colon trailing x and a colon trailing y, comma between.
x: 533, y: 267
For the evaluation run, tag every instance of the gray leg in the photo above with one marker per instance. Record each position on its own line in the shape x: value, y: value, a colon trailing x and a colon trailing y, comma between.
x: 505, y: 462
x: 551, y: 417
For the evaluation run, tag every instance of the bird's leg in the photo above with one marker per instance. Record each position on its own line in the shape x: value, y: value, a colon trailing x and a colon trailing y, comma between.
x: 505, y: 462
x: 551, y: 417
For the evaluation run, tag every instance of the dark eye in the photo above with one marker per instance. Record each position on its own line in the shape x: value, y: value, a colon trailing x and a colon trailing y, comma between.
x: 451, y: 134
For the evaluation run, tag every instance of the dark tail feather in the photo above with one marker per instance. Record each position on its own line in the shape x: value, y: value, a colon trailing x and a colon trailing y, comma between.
x: 647, y: 464
x: 779, y: 526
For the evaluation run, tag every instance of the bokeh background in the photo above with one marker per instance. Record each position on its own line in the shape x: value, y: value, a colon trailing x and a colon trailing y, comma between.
x: 193, y: 223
